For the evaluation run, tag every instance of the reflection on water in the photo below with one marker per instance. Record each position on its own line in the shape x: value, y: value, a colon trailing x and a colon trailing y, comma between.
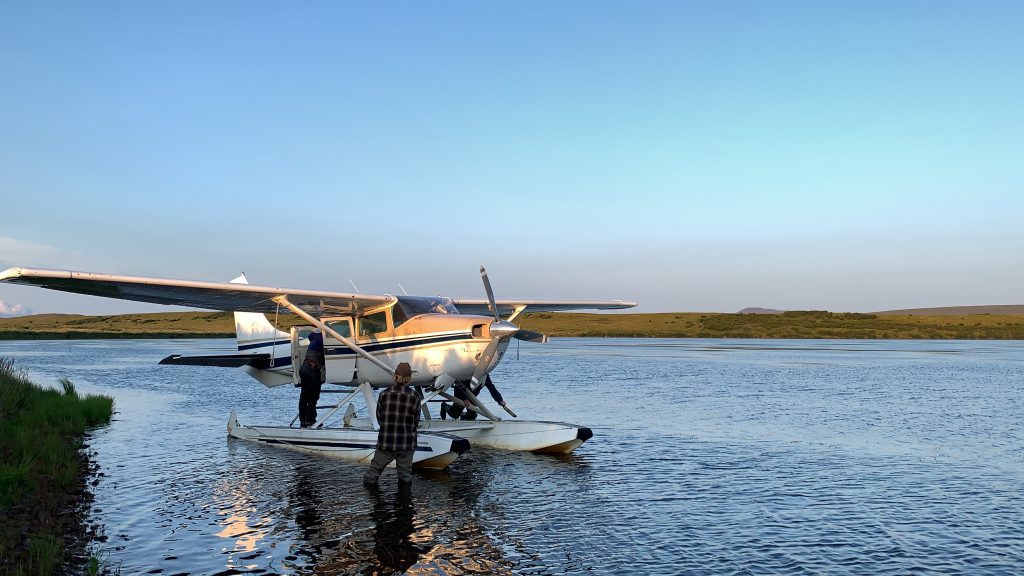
x: 709, y: 456
x: 393, y: 546
x: 243, y: 529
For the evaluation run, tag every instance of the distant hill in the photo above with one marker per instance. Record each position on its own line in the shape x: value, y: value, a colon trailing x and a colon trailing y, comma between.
x: 151, y: 325
x: 789, y: 324
x: 756, y: 310
x: 957, y: 310
x: 971, y: 322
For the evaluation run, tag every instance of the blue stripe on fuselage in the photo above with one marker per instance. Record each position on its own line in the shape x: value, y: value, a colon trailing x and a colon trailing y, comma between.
x: 371, y: 347
x: 265, y: 344
x: 393, y: 344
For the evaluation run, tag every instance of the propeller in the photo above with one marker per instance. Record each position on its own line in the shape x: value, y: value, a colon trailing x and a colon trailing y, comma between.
x: 531, y: 336
x: 500, y: 330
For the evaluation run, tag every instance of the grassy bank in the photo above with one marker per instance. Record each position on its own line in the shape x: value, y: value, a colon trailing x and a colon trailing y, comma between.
x: 813, y: 324
x: 157, y: 325
x: 42, y: 471
x: 82, y: 335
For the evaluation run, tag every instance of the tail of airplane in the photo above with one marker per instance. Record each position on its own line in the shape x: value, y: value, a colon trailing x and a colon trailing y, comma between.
x: 261, y: 346
x: 253, y: 330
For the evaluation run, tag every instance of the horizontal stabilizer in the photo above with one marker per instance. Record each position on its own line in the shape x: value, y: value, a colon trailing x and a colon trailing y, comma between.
x: 222, y: 360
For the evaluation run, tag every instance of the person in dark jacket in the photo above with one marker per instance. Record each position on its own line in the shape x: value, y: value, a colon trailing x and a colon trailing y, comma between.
x: 316, y: 352
x: 310, y: 381
x: 398, y: 413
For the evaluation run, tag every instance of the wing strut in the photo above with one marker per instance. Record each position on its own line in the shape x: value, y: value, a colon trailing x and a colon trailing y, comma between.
x: 283, y: 301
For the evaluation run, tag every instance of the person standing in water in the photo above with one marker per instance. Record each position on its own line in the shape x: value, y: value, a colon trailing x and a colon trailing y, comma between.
x: 398, y: 413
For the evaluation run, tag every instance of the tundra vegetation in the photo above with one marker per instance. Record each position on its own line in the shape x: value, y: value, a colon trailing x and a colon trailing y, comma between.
x: 43, y: 470
x: 157, y: 325
x: 794, y: 324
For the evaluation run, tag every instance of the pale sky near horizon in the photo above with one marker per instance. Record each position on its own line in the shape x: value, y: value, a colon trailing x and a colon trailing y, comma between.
x: 691, y: 156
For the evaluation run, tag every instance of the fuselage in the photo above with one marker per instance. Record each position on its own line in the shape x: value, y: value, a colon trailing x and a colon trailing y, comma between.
x: 432, y: 343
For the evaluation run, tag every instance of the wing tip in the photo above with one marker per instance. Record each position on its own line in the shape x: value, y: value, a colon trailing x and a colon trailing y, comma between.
x: 10, y: 273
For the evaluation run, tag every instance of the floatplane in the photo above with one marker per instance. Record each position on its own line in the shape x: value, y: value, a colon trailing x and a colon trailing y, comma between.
x: 451, y: 344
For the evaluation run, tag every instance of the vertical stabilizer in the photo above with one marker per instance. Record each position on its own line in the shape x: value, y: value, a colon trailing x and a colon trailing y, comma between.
x: 253, y: 328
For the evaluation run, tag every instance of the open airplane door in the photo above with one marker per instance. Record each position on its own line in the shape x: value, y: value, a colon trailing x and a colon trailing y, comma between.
x: 298, y: 350
x: 341, y: 363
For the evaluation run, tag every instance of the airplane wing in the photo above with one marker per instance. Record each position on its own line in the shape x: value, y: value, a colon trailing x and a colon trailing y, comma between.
x: 506, y: 307
x: 209, y: 295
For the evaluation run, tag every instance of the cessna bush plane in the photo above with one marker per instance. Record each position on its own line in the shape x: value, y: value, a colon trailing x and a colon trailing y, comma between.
x: 448, y: 342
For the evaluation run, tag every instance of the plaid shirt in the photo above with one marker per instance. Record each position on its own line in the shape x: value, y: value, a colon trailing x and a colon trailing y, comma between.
x: 398, y: 411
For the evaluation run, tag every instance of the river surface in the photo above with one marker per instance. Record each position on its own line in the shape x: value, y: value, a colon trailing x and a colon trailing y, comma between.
x: 708, y: 457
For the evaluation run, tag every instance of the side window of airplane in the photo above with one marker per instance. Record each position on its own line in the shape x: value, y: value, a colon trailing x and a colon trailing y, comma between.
x: 341, y: 327
x: 373, y: 324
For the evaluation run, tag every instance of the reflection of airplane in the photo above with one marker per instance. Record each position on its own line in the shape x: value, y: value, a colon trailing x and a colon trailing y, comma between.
x: 449, y: 343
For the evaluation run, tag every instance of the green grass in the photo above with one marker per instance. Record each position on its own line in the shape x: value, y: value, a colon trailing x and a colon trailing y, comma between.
x: 797, y: 324
x: 40, y: 433
x: 806, y: 324
x: 157, y: 325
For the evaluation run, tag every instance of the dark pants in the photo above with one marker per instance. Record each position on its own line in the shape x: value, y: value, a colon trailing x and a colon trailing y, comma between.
x: 308, y: 398
x: 455, y: 411
x: 381, y: 458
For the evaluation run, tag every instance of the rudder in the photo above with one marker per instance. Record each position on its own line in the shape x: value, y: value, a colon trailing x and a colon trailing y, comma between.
x: 253, y: 328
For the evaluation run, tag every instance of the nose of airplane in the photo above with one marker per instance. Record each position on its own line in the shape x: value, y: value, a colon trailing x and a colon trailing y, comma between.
x: 502, y: 329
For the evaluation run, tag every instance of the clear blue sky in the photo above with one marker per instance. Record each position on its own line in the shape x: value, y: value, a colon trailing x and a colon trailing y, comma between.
x: 692, y: 156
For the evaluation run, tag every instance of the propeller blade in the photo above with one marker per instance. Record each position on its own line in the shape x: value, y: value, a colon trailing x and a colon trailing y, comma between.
x: 531, y: 336
x: 485, y: 361
x: 490, y: 294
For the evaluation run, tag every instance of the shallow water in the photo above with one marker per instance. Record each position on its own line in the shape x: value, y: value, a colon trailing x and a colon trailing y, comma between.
x: 709, y: 457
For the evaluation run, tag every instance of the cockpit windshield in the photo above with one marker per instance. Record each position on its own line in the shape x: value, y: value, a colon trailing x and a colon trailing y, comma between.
x: 415, y: 305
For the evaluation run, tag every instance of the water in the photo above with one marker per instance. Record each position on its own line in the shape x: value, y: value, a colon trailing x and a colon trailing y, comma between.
x: 709, y: 457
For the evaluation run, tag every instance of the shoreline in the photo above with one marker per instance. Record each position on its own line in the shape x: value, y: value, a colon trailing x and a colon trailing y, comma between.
x: 148, y: 336
x: 76, y: 532
x: 787, y: 325
x: 10, y: 335
x: 45, y: 468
